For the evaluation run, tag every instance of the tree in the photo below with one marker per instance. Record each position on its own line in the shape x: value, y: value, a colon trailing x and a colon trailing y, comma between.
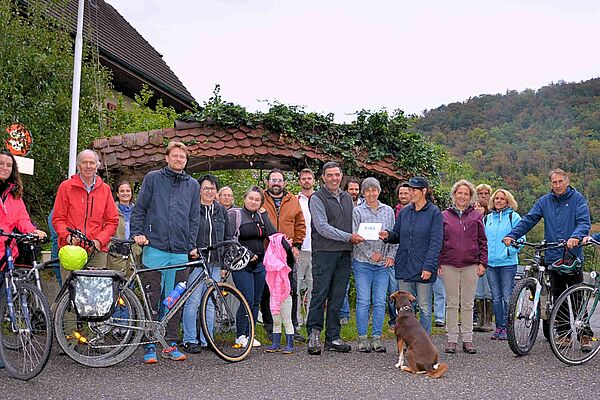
x: 36, y: 71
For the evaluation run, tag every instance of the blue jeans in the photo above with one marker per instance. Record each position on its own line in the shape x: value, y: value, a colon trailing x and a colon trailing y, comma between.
x: 483, y: 290
x: 345, y: 310
x: 371, y: 287
x: 439, y: 301
x: 502, y: 281
x: 190, y: 309
x: 392, y: 287
x: 423, y: 293
x: 251, y: 283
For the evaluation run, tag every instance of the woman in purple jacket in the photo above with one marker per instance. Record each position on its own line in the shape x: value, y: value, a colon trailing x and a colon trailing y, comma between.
x: 462, y: 260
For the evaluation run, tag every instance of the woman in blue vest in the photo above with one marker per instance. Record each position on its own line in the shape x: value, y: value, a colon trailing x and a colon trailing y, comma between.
x: 502, y: 260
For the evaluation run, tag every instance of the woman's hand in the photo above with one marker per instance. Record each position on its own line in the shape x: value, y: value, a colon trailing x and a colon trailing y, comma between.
x: 40, y: 234
x: 480, y: 270
x: 425, y: 275
x: 384, y: 235
x: 389, y: 262
x: 376, y: 257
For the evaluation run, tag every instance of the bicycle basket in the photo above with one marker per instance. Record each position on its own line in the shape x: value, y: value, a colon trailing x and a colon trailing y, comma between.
x: 236, y: 257
x: 94, y: 293
x: 27, y: 255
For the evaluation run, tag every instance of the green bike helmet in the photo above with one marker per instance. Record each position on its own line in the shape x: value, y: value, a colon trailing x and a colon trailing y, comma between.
x: 72, y: 258
x: 567, y: 265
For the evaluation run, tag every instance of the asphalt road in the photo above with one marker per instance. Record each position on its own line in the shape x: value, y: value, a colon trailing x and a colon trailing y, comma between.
x: 492, y: 373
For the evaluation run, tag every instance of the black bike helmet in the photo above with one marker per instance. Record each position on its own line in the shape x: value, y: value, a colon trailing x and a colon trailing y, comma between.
x: 236, y: 257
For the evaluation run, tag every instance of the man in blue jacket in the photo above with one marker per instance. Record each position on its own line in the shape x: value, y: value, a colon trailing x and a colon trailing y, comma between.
x: 566, y: 217
x: 166, y: 217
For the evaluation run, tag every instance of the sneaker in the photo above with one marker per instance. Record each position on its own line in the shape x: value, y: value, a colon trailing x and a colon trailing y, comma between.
x: 150, y: 355
x: 191, y: 348
x: 256, y: 343
x: 344, y: 321
x: 439, y: 324
x: 469, y: 348
x: 241, y: 341
x: 563, y: 341
x: 586, y: 344
x: 496, y: 334
x: 314, y: 342
x: 503, y: 335
x: 298, y: 337
x: 173, y: 353
x: 364, y: 346
x: 377, y: 345
x: 450, y: 348
x: 338, y: 345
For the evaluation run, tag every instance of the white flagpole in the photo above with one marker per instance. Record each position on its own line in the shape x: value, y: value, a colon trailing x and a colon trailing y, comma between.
x: 76, y: 89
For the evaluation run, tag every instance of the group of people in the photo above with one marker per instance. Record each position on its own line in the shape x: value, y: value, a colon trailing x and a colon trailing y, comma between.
x: 438, y: 256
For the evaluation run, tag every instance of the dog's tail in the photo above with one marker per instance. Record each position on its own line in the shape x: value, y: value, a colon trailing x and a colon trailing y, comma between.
x: 439, y: 371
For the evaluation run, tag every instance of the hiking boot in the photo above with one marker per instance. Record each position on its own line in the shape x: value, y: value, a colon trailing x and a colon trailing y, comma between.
x: 377, y: 345
x: 469, y: 348
x: 364, y: 346
x: 450, y: 348
x: 150, y: 355
x: 191, y: 348
x: 563, y: 341
x: 314, y: 342
x: 488, y: 307
x: 496, y: 334
x: 586, y: 343
x: 338, y: 345
x: 173, y: 353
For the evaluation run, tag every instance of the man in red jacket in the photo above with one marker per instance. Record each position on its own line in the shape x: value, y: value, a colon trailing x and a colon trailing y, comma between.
x: 86, y: 203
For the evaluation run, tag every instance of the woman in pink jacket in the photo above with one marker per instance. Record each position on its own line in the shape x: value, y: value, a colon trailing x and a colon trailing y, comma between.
x: 13, y: 213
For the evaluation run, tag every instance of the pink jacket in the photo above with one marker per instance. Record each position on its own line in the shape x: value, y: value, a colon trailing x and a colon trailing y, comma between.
x: 13, y: 214
x: 277, y: 272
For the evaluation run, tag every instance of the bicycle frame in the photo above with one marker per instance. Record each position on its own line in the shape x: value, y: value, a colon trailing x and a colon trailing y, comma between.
x: 9, y: 286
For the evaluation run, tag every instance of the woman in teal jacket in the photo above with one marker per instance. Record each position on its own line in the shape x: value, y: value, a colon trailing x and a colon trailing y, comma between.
x: 502, y: 260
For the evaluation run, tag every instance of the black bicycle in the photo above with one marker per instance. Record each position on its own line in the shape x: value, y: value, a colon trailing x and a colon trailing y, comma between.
x: 99, y: 320
x: 25, y: 318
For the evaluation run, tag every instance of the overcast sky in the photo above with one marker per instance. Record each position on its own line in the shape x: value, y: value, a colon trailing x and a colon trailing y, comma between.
x: 343, y: 55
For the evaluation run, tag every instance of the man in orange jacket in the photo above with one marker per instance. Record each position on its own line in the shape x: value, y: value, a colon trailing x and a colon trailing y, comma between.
x: 286, y: 215
x: 86, y: 203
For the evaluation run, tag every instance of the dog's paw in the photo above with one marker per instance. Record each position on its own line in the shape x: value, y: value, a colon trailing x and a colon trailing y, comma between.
x: 421, y: 372
x: 436, y: 366
x: 398, y: 365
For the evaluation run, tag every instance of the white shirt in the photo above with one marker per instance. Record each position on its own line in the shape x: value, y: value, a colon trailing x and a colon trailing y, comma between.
x: 303, y: 199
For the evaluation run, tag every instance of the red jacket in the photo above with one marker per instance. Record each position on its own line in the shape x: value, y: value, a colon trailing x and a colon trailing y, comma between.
x: 94, y: 213
x: 13, y: 214
x: 465, y: 242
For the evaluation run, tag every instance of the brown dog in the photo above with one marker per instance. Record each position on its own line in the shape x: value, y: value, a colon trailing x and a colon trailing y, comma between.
x: 421, y: 355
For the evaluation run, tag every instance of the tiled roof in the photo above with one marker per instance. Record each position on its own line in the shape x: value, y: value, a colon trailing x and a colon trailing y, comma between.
x: 123, y: 48
x: 133, y: 155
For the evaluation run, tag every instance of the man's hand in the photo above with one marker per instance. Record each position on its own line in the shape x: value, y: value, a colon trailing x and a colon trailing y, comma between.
x: 40, y: 234
x: 72, y: 240
x: 480, y: 270
x: 296, y: 253
x: 194, y: 253
x: 507, y: 241
x: 425, y: 275
x: 356, y: 238
x: 586, y: 239
x: 389, y: 262
x: 439, y: 272
x: 97, y: 244
x: 141, y: 240
x: 573, y: 242
x: 384, y: 235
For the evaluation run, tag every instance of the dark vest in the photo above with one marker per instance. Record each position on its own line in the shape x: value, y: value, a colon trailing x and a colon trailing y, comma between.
x: 339, y: 215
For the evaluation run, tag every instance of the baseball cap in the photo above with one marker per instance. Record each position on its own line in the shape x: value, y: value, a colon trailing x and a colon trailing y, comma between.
x: 418, y: 182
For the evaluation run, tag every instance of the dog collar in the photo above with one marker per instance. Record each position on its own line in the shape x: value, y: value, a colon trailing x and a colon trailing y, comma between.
x: 405, y: 308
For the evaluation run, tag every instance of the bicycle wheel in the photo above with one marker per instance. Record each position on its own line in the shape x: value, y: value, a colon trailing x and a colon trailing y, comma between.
x: 575, y: 316
x: 522, y: 329
x: 100, y: 344
x: 229, y: 309
x: 26, y: 345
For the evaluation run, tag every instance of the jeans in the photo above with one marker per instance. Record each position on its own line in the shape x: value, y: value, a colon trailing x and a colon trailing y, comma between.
x: 423, y: 292
x: 483, y: 290
x: 502, y: 281
x: 371, y: 287
x: 345, y: 310
x: 439, y: 300
x: 304, y: 280
x: 251, y: 283
x: 392, y: 287
x: 190, y: 309
x: 331, y: 273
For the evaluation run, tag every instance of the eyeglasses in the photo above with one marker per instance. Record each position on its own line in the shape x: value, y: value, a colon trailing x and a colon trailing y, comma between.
x: 276, y: 180
x: 208, y: 189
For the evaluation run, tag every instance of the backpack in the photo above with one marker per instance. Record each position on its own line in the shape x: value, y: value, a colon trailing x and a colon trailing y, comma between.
x: 236, y: 213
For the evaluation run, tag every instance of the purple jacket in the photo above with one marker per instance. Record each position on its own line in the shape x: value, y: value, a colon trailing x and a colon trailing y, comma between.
x: 464, y: 239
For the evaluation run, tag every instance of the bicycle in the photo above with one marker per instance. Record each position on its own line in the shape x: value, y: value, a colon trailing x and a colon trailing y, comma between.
x: 25, y: 319
x: 531, y: 300
x: 575, y: 322
x: 89, y: 331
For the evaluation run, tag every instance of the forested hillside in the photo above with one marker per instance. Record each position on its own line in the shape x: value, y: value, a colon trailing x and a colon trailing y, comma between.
x: 514, y: 139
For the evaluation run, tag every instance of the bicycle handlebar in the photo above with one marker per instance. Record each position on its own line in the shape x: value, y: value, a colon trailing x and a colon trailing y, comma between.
x: 199, y: 249
x: 81, y: 236
x: 20, y: 237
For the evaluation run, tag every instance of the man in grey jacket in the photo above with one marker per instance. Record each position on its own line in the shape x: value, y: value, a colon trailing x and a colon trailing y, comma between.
x: 165, y: 219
